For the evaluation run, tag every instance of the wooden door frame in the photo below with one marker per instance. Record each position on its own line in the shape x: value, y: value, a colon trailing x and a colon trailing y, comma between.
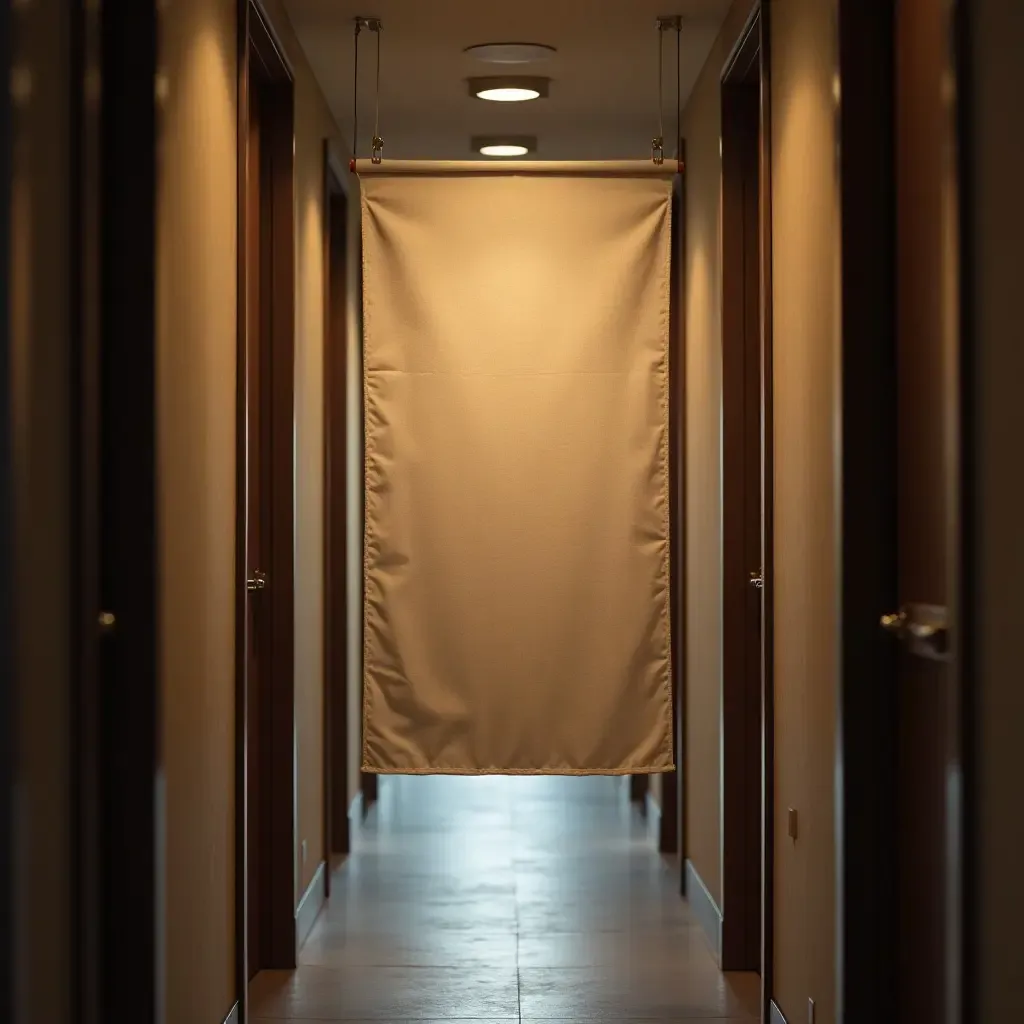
x: 337, y: 837
x: 867, y: 820
x: 8, y: 832
x: 260, y: 53
x: 747, y: 712
x: 767, y: 523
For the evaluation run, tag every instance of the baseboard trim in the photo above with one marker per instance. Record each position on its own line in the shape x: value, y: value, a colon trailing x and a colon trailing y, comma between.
x: 312, y: 902
x: 704, y: 907
x: 232, y: 1017
x: 776, y: 1013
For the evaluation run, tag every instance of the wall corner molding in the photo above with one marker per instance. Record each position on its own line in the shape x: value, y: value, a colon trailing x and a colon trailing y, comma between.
x: 705, y: 908
x: 776, y: 1014
x: 312, y: 902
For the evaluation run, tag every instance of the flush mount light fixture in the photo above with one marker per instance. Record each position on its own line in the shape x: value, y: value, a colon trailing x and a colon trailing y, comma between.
x: 504, y: 145
x: 512, y: 89
x: 504, y: 150
x: 509, y: 53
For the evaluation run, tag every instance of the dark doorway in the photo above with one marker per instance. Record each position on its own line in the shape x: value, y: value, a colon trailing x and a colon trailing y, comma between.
x: 336, y: 688
x: 266, y: 313
x: 747, y: 508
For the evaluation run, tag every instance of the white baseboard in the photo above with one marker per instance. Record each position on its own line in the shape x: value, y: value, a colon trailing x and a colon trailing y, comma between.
x: 705, y: 908
x: 312, y: 902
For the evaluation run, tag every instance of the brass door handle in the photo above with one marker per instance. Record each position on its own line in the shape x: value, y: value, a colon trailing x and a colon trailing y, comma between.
x: 894, y: 623
x: 924, y: 628
x: 757, y: 581
x: 258, y: 581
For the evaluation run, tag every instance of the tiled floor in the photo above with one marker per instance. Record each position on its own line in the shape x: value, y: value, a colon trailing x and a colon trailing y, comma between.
x: 505, y: 900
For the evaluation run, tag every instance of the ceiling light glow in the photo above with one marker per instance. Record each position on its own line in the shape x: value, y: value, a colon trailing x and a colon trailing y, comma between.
x: 508, y: 95
x: 503, y: 145
x: 509, y: 88
x: 504, y: 150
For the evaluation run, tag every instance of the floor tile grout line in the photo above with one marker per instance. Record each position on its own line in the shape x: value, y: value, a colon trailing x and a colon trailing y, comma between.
x: 519, y: 924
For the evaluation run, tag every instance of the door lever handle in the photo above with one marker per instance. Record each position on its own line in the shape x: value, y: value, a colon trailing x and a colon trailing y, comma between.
x: 258, y: 581
x: 757, y: 581
x: 894, y: 623
x: 924, y: 628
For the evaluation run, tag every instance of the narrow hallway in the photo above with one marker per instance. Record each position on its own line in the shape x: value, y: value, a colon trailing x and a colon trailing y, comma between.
x: 504, y: 898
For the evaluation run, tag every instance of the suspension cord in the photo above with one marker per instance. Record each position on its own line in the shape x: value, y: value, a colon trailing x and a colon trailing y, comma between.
x: 374, y: 25
x: 679, y: 95
x: 658, y: 143
x: 661, y: 82
x: 378, y: 142
x: 355, y: 88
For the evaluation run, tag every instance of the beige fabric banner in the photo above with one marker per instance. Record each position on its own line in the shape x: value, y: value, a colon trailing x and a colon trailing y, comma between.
x: 516, y: 562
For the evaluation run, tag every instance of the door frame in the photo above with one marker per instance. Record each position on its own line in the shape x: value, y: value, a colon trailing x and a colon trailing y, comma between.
x: 747, y: 835
x: 260, y: 52
x: 337, y: 826
x: 867, y: 821
x: 8, y: 682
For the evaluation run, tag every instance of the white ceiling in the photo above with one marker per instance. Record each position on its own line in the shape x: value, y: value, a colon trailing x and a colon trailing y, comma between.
x: 603, y: 101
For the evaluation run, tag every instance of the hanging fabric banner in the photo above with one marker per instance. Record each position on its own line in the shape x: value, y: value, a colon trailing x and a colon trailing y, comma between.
x: 516, y: 549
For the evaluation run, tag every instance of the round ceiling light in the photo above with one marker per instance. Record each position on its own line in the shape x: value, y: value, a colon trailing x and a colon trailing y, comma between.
x: 503, y: 145
x: 504, y: 149
x: 508, y: 90
x: 510, y: 53
x: 508, y: 94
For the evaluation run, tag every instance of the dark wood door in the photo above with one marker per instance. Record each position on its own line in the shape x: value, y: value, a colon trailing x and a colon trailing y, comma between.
x: 927, y: 332
x: 254, y: 448
x: 336, y: 719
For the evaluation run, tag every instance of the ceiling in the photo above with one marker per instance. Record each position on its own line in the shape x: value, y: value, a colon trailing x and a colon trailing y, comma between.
x: 603, y: 103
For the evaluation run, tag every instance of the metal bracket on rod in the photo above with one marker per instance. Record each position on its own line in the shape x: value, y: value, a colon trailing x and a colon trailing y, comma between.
x: 376, y: 26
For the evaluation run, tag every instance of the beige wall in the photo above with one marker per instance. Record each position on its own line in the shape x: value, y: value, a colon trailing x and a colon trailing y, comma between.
x: 197, y: 425
x: 313, y: 123
x: 40, y: 404
x: 805, y: 301
x: 998, y: 342
x: 196, y: 340
x: 805, y: 271
x: 702, y: 772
